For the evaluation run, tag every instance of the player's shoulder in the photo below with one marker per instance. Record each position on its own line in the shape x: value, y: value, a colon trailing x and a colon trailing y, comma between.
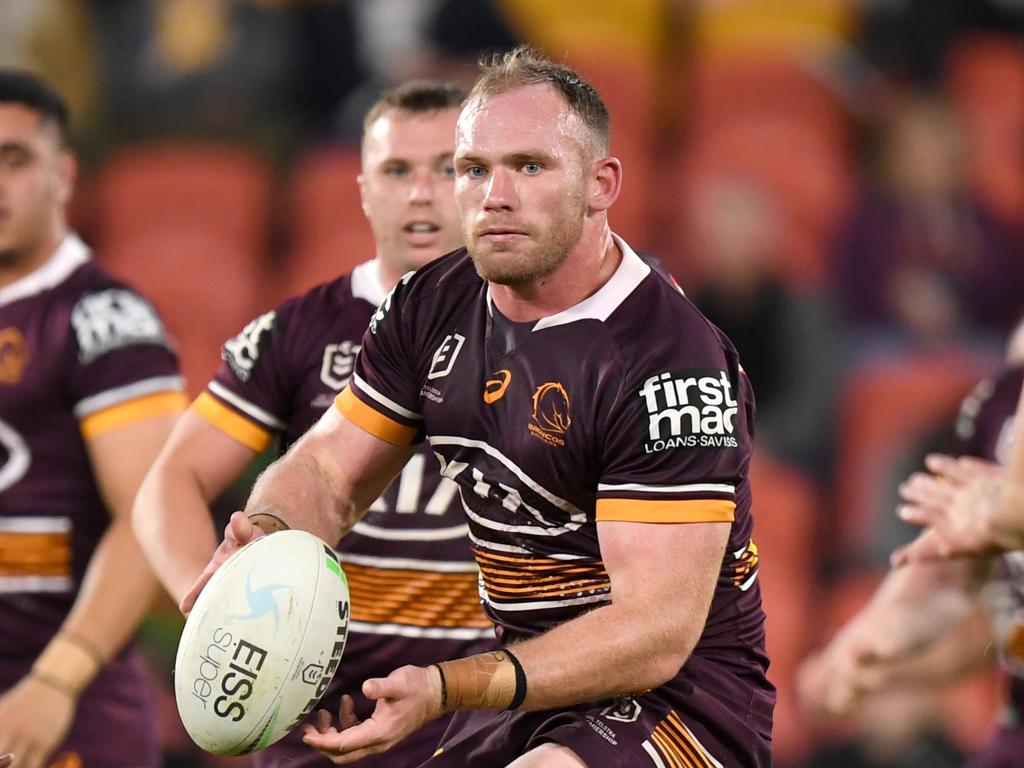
x: 657, y: 319
x: 453, y: 274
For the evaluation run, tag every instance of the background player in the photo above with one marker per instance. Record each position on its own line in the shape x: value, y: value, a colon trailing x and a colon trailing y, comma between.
x: 549, y: 366
x: 89, y: 390
x: 918, y: 629
x: 414, y: 583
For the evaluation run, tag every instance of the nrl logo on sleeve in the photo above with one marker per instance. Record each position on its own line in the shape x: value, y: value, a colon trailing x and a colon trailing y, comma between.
x: 385, y: 306
x: 336, y: 368
x: 112, y: 319
x: 243, y: 351
x: 694, y: 408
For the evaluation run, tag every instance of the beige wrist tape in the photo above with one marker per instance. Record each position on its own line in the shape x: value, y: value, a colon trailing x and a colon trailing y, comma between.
x: 484, y: 681
x: 69, y: 662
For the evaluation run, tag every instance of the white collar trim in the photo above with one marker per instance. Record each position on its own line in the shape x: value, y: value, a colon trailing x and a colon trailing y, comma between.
x: 628, y: 275
x: 69, y: 256
x: 366, y: 284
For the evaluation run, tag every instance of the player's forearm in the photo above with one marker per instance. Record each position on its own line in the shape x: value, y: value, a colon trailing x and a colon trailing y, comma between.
x: 174, y: 526
x: 300, y: 492
x: 1008, y: 517
x: 610, y: 651
x: 115, y: 594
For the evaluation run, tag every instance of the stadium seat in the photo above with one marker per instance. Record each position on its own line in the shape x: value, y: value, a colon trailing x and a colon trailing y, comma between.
x: 187, y: 225
x: 887, y: 408
x: 786, y: 530
x: 327, y: 231
x: 984, y: 81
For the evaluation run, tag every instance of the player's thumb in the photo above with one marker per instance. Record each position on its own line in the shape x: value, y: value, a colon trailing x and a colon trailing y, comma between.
x: 378, y: 688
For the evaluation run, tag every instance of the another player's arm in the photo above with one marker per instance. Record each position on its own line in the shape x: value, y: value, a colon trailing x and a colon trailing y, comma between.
x: 115, y: 593
x: 1008, y: 516
x: 171, y: 516
x: 891, y: 640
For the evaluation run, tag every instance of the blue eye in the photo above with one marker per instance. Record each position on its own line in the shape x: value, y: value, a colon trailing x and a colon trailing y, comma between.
x: 532, y: 168
x: 448, y: 172
x: 395, y: 170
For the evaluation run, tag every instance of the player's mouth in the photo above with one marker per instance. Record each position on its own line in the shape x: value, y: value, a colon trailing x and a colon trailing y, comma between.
x: 495, y: 234
x: 421, y: 233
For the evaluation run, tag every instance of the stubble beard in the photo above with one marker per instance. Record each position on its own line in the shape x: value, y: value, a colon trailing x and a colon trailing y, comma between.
x: 508, y: 266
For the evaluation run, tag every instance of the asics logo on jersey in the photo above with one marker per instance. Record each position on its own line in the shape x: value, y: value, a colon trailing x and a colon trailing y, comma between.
x: 14, y: 355
x: 494, y: 388
x: 550, y: 413
x: 688, y: 409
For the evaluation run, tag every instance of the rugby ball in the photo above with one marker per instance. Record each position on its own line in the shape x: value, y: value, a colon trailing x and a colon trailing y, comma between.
x: 262, y: 643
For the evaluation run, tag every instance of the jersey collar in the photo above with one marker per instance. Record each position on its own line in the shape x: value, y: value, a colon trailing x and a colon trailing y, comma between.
x: 628, y: 275
x: 366, y: 284
x: 69, y: 256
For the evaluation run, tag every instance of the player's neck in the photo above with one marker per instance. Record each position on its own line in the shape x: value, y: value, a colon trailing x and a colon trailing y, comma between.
x: 590, y: 265
x: 15, y: 265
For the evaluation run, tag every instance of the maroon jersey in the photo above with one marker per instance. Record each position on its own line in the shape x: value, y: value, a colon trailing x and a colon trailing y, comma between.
x: 80, y: 354
x: 414, y: 583
x: 984, y: 429
x: 629, y: 406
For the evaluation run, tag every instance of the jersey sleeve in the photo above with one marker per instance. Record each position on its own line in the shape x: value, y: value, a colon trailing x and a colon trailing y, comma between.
x: 383, y: 395
x: 123, y: 370
x: 679, y: 438
x: 248, y: 398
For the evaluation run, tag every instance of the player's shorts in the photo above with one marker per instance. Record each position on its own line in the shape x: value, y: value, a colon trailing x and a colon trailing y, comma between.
x: 1004, y: 750
x: 628, y: 732
x: 115, y: 721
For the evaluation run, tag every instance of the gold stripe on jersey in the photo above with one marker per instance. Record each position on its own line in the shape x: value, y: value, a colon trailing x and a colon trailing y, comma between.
x: 35, y: 554
x: 234, y: 425
x: 666, y: 511
x: 132, y: 412
x: 510, y: 578
x: 373, y: 421
x: 417, y: 598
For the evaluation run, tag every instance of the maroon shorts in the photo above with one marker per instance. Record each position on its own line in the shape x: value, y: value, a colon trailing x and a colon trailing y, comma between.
x: 628, y: 732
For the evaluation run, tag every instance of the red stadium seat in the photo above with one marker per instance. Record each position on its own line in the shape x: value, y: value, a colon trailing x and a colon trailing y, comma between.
x: 786, y: 523
x: 328, y: 233
x: 985, y: 83
x: 187, y: 225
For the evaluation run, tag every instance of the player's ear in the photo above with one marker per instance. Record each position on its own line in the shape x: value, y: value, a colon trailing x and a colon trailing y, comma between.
x: 67, y: 172
x: 605, y: 181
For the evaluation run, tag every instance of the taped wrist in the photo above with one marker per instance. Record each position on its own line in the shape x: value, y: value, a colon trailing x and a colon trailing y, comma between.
x: 267, y: 522
x: 69, y: 663
x: 486, y: 681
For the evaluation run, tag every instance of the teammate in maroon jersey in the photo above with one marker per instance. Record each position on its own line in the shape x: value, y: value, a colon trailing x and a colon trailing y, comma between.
x: 918, y: 628
x: 599, y: 431
x: 89, y: 390
x: 410, y: 570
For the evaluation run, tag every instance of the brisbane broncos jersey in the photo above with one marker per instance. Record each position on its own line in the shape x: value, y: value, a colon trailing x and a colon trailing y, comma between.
x: 80, y: 354
x: 629, y: 406
x: 413, y: 580
x: 985, y: 428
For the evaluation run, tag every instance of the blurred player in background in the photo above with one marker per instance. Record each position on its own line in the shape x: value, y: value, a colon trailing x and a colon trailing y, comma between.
x: 918, y: 630
x: 89, y: 391
x: 599, y: 429
x: 413, y: 579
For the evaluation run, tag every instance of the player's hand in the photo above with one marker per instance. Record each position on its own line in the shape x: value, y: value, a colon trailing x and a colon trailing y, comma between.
x: 954, y: 502
x: 5, y: 760
x: 237, y: 533
x: 34, y: 719
x: 406, y: 699
x: 836, y: 680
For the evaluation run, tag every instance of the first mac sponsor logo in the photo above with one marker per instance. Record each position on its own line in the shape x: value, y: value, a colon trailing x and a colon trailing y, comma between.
x: 694, y: 408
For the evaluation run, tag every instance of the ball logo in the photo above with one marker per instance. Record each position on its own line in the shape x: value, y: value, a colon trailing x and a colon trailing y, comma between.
x: 261, y: 601
x: 688, y: 409
x: 550, y: 417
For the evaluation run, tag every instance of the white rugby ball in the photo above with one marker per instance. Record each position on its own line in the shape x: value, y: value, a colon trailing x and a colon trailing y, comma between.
x: 262, y: 643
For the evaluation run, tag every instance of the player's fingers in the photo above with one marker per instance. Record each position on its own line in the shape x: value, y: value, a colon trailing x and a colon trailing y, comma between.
x: 6, y: 759
x: 927, y: 490
x: 239, y: 529
x: 368, y: 734
x: 188, y: 602
x: 347, y: 712
x: 381, y: 688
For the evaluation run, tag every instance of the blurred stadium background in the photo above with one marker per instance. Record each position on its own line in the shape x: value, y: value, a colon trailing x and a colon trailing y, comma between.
x: 838, y: 184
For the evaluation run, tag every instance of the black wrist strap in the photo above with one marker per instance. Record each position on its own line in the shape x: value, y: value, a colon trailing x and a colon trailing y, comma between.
x: 520, y: 695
